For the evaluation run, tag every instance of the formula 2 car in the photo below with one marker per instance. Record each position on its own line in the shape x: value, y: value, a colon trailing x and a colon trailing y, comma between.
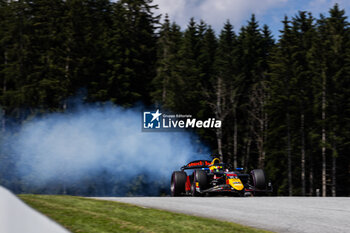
x: 212, y: 177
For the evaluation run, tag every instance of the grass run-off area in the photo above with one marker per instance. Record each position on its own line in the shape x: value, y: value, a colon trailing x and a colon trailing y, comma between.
x: 79, y: 214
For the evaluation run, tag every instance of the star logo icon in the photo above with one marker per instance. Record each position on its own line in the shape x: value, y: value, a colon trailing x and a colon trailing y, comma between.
x: 156, y: 115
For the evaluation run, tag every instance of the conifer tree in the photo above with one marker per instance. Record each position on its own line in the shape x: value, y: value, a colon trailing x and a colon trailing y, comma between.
x: 329, y: 63
x: 339, y: 38
x: 133, y: 44
x: 221, y: 89
x: 188, y: 75
x: 251, y: 43
x: 87, y: 27
x: 4, y: 11
x: 304, y: 34
x: 279, y: 110
x: 168, y: 58
x: 16, y: 44
x: 46, y: 83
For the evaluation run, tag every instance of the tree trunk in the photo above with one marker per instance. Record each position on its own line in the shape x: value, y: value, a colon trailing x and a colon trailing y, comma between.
x: 265, y: 134
x: 324, y: 187
x: 3, y: 120
x: 235, y: 149
x: 257, y: 113
x: 4, y: 88
x: 164, y: 92
x: 218, y: 116
x: 289, y: 158
x: 302, y: 131
x: 261, y: 146
x: 165, y: 81
x: 249, y: 142
x: 311, y: 178
x: 219, y: 141
x: 66, y: 74
x: 334, y: 171
x: 64, y: 105
x: 221, y: 109
x: 311, y: 175
x: 262, y: 127
x: 334, y: 176
x: 260, y: 139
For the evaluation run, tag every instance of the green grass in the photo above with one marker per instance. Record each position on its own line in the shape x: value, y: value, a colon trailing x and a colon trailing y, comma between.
x: 81, y: 215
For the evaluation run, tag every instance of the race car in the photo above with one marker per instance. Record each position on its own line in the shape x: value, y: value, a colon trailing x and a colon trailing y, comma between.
x: 213, y: 177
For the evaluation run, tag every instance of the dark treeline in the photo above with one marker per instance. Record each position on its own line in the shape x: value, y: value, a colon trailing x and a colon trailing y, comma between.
x: 285, y: 104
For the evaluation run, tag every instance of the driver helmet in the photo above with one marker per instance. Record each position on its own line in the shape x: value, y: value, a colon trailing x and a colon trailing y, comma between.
x: 215, y: 165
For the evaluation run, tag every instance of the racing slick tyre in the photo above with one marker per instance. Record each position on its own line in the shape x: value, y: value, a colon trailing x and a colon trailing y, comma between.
x: 259, y: 179
x: 178, y: 182
x: 200, y: 177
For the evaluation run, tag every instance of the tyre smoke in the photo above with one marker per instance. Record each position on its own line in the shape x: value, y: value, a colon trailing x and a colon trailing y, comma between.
x: 99, y: 151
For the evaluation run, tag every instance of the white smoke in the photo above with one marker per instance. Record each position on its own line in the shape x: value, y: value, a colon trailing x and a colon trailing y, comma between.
x: 70, y: 148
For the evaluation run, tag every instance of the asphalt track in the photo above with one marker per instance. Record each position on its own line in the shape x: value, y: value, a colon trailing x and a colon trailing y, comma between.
x: 279, y: 214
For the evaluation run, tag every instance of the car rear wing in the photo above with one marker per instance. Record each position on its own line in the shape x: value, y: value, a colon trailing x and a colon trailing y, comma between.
x: 197, y: 164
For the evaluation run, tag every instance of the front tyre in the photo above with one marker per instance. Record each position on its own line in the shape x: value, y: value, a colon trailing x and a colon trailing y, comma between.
x: 200, y: 177
x: 259, y: 178
x: 178, y: 182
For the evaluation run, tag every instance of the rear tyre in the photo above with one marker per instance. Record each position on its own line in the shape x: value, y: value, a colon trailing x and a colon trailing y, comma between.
x: 259, y: 179
x: 178, y: 182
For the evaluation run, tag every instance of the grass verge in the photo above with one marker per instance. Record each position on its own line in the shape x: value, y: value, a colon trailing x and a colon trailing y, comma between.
x: 84, y: 215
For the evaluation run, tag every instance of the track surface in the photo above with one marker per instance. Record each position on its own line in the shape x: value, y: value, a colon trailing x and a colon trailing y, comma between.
x: 279, y: 214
